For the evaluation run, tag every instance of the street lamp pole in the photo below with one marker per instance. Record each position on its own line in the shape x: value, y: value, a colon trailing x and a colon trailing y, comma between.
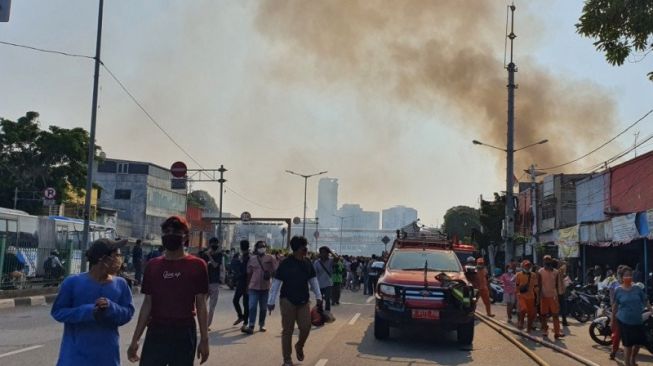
x: 342, y: 219
x: 305, y: 176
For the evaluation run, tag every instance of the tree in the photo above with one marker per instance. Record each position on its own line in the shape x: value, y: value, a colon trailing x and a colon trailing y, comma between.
x: 461, y: 221
x: 620, y: 27
x: 492, y: 214
x: 202, y: 199
x: 32, y: 159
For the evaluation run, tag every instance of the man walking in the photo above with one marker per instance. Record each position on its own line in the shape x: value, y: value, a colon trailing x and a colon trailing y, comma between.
x: 240, y: 279
x: 213, y: 259
x: 337, y: 278
x: 481, y: 284
x: 526, y: 283
x: 175, y: 285
x: 92, y: 306
x: 324, y: 269
x: 137, y: 261
x: 293, y: 277
x: 260, y: 269
x: 548, y: 294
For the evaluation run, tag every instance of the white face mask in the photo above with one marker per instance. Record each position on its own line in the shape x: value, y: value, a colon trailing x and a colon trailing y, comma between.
x: 260, y: 250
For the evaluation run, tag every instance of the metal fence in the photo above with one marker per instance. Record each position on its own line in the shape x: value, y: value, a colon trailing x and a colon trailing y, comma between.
x: 26, y: 267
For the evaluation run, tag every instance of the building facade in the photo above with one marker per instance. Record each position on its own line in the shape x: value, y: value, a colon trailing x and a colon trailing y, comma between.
x: 327, y: 202
x: 140, y: 193
x: 397, y: 217
x: 354, y: 217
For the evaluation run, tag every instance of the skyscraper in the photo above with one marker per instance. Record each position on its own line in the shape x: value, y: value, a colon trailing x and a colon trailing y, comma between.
x: 327, y: 202
x: 397, y: 217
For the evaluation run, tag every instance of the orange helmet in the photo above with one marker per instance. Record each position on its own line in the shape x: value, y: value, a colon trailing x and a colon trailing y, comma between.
x: 526, y: 263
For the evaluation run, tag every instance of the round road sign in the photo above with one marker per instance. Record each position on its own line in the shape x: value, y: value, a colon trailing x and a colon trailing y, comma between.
x: 178, y: 169
x: 49, y: 193
x: 245, y: 216
x: 296, y: 220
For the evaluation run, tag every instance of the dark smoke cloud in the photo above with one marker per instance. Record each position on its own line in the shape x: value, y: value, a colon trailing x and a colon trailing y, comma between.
x: 436, y: 55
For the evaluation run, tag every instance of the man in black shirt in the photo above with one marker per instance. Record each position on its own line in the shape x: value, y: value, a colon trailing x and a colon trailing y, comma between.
x: 213, y: 259
x: 239, y: 270
x: 293, y: 277
x: 137, y: 261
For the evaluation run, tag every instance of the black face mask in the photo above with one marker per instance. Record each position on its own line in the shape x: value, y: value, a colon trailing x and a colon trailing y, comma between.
x: 172, y: 242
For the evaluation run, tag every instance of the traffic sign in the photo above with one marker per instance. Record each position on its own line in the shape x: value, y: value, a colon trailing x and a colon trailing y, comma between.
x: 283, y: 231
x: 316, y: 234
x: 48, y: 203
x: 178, y: 169
x: 49, y: 193
x: 385, y: 240
x: 296, y: 220
x: 245, y: 216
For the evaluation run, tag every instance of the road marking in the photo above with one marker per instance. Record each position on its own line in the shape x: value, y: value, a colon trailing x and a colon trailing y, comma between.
x: 322, y: 362
x: 353, y: 320
x: 369, y: 299
x: 21, y: 350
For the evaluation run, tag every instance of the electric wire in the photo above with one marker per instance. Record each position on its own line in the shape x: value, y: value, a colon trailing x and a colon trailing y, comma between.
x: 62, y: 53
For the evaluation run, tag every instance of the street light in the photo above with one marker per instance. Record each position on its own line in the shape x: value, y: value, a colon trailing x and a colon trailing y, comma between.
x: 476, y: 142
x: 305, y: 176
x: 342, y: 218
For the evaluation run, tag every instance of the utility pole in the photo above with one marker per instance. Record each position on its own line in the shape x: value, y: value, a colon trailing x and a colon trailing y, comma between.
x: 221, y: 181
x: 305, y: 176
x: 91, y: 142
x: 534, y: 208
x: 510, y: 148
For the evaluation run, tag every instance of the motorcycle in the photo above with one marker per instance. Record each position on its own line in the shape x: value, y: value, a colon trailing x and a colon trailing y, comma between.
x: 496, y: 291
x: 601, y: 327
x: 581, y: 304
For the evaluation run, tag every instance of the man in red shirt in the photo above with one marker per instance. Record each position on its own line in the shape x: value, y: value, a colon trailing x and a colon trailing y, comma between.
x: 175, y: 285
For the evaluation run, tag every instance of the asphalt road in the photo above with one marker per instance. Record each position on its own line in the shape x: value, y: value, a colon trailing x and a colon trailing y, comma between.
x: 29, y: 336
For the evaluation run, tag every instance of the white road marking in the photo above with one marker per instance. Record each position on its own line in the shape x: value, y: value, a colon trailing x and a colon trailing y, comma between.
x: 322, y: 362
x: 21, y: 350
x: 369, y: 299
x: 353, y: 320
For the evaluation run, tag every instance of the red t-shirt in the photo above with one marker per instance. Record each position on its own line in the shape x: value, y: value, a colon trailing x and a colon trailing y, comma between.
x: 173, y: 284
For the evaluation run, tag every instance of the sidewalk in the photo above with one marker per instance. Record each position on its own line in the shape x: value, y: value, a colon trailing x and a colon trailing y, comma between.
x: 577, y: 340
x: 34, y: 296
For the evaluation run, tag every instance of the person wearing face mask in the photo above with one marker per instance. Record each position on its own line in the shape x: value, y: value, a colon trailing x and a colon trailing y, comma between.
x: 213, y: 259
x: 293, y: 277
x: 260, y: 270
x: 616, y: 336
x: 480, y: 282
x: 509, y: 297
x: 92, y: 306
x: 629, y: 302
x: 526, y: 283
x: 548, y: 295
x: 175, y: 286
x: 239, y: 269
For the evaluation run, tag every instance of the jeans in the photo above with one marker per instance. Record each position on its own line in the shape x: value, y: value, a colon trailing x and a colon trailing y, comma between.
x: 214, y: 291
x: 138, y: 272
x: 326, y: 296
x: 169, y: 345
x: 243, y: 313
x: 257, y: 298
x: 291, y: 314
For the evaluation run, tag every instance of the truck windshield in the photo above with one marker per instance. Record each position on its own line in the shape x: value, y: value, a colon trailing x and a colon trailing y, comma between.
x: 416, y: 260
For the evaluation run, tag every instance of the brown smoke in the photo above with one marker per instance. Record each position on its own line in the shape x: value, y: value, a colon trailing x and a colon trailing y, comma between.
x: 436, y: 55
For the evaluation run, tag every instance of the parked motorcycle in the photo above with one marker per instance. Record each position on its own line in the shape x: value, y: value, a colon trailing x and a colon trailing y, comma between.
x: 582, y: 304
x: 601, y: 327
x: 496, y: 291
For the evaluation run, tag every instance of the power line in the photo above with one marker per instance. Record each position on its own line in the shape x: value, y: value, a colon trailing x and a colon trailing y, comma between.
x: 149, y: 116
x: 602, y: 146
x: 62, y: 53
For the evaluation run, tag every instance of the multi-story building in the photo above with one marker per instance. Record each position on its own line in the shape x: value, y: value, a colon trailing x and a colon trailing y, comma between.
x: 557, y: 204
x: 141, y: 194
x: 354, y: 217
x: 327, y: 202
x: 397, y: 217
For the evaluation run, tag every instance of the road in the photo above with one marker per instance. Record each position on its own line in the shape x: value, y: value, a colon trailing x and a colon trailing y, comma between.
x: 29, y: 336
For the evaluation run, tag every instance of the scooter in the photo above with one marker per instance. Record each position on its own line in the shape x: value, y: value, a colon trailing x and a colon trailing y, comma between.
x: 496, y: 291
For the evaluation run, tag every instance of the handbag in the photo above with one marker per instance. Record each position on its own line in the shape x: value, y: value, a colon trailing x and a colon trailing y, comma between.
x: 524, y: 288
x: 266, y: 274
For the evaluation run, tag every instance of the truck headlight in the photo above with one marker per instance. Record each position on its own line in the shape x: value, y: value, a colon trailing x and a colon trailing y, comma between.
x: 387, y: 290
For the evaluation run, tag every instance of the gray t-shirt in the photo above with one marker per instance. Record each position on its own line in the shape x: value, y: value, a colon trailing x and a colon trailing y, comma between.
x: 324, y: 272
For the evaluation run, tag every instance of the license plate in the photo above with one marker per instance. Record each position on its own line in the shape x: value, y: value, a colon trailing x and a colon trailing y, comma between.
x: 426, y: 314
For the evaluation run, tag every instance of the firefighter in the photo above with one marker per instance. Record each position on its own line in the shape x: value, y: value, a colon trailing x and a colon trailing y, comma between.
x: 526, y: 284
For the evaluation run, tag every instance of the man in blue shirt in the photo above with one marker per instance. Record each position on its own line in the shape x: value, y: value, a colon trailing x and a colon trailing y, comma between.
x: 92, y: 306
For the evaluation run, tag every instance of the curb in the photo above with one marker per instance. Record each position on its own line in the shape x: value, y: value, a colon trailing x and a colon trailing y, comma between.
x: 27, y: 301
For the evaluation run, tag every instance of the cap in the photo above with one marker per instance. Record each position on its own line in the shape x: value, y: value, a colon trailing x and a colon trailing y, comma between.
x: 480, y: 261
x: 103, y: 247
x: 176, y: 222
x: 526, y: 263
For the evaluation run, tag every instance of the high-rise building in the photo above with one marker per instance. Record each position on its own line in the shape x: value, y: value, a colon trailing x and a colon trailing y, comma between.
x: 397, y: 217
x: 354, y: 217
x: 327, y: 202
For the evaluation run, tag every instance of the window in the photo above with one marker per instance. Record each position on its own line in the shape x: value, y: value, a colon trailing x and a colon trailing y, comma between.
x: 416, y: 260
x: 122, y: 194
x: 123, y: 168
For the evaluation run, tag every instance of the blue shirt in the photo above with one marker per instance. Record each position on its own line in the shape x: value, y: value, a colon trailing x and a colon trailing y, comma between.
x: 87, y: 339
x: 630, y: 305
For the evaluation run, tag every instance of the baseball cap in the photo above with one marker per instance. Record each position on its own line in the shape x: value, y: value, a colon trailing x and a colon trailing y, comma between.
x: 177, y: 223
x: 103, y: 247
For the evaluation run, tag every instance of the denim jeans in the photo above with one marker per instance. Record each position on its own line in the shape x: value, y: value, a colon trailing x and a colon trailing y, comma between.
x: 257, y: 298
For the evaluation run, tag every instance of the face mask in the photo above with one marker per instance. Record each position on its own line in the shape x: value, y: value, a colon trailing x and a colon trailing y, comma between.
x: 172, y: 242
x: 628, y: 281
x: 260, y: 251
x: 526, y: 270
x: 510, y: 271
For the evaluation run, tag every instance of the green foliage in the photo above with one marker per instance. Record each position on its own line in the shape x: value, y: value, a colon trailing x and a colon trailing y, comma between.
x: 461, y: 221
x: 620, y: 27
x: 202, y: 199
x: 33, y: 159
x: 492, y: 214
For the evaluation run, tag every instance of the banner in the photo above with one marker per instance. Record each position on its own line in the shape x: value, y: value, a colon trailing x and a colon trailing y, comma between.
x: 567, y: 241
x: 649, y: 220
x: 624, y: 229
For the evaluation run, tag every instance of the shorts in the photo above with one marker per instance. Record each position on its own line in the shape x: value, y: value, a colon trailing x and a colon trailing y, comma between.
x: 632, y: 335
x: 509, y: 299
x: 549, y: 306
x: 169, y: 345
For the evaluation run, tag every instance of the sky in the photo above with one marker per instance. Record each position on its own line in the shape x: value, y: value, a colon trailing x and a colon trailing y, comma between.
x: 385, y: 96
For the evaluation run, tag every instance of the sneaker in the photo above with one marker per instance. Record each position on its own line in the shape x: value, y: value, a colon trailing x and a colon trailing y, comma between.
x: 238, y: 321
x: 612, y: 355
x: 262, y: 329
x: 299, y: 353
x: 249, y: 330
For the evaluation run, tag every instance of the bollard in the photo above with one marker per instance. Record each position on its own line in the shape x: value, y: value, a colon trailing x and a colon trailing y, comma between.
x: 3, y: 241
x: 69, y: 265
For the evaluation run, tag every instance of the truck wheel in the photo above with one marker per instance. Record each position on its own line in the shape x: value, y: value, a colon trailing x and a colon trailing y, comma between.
x: 381, y: 328
x: 466, y: 333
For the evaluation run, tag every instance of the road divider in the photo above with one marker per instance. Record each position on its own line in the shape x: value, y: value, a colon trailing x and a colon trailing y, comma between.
x: 353, y: 320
